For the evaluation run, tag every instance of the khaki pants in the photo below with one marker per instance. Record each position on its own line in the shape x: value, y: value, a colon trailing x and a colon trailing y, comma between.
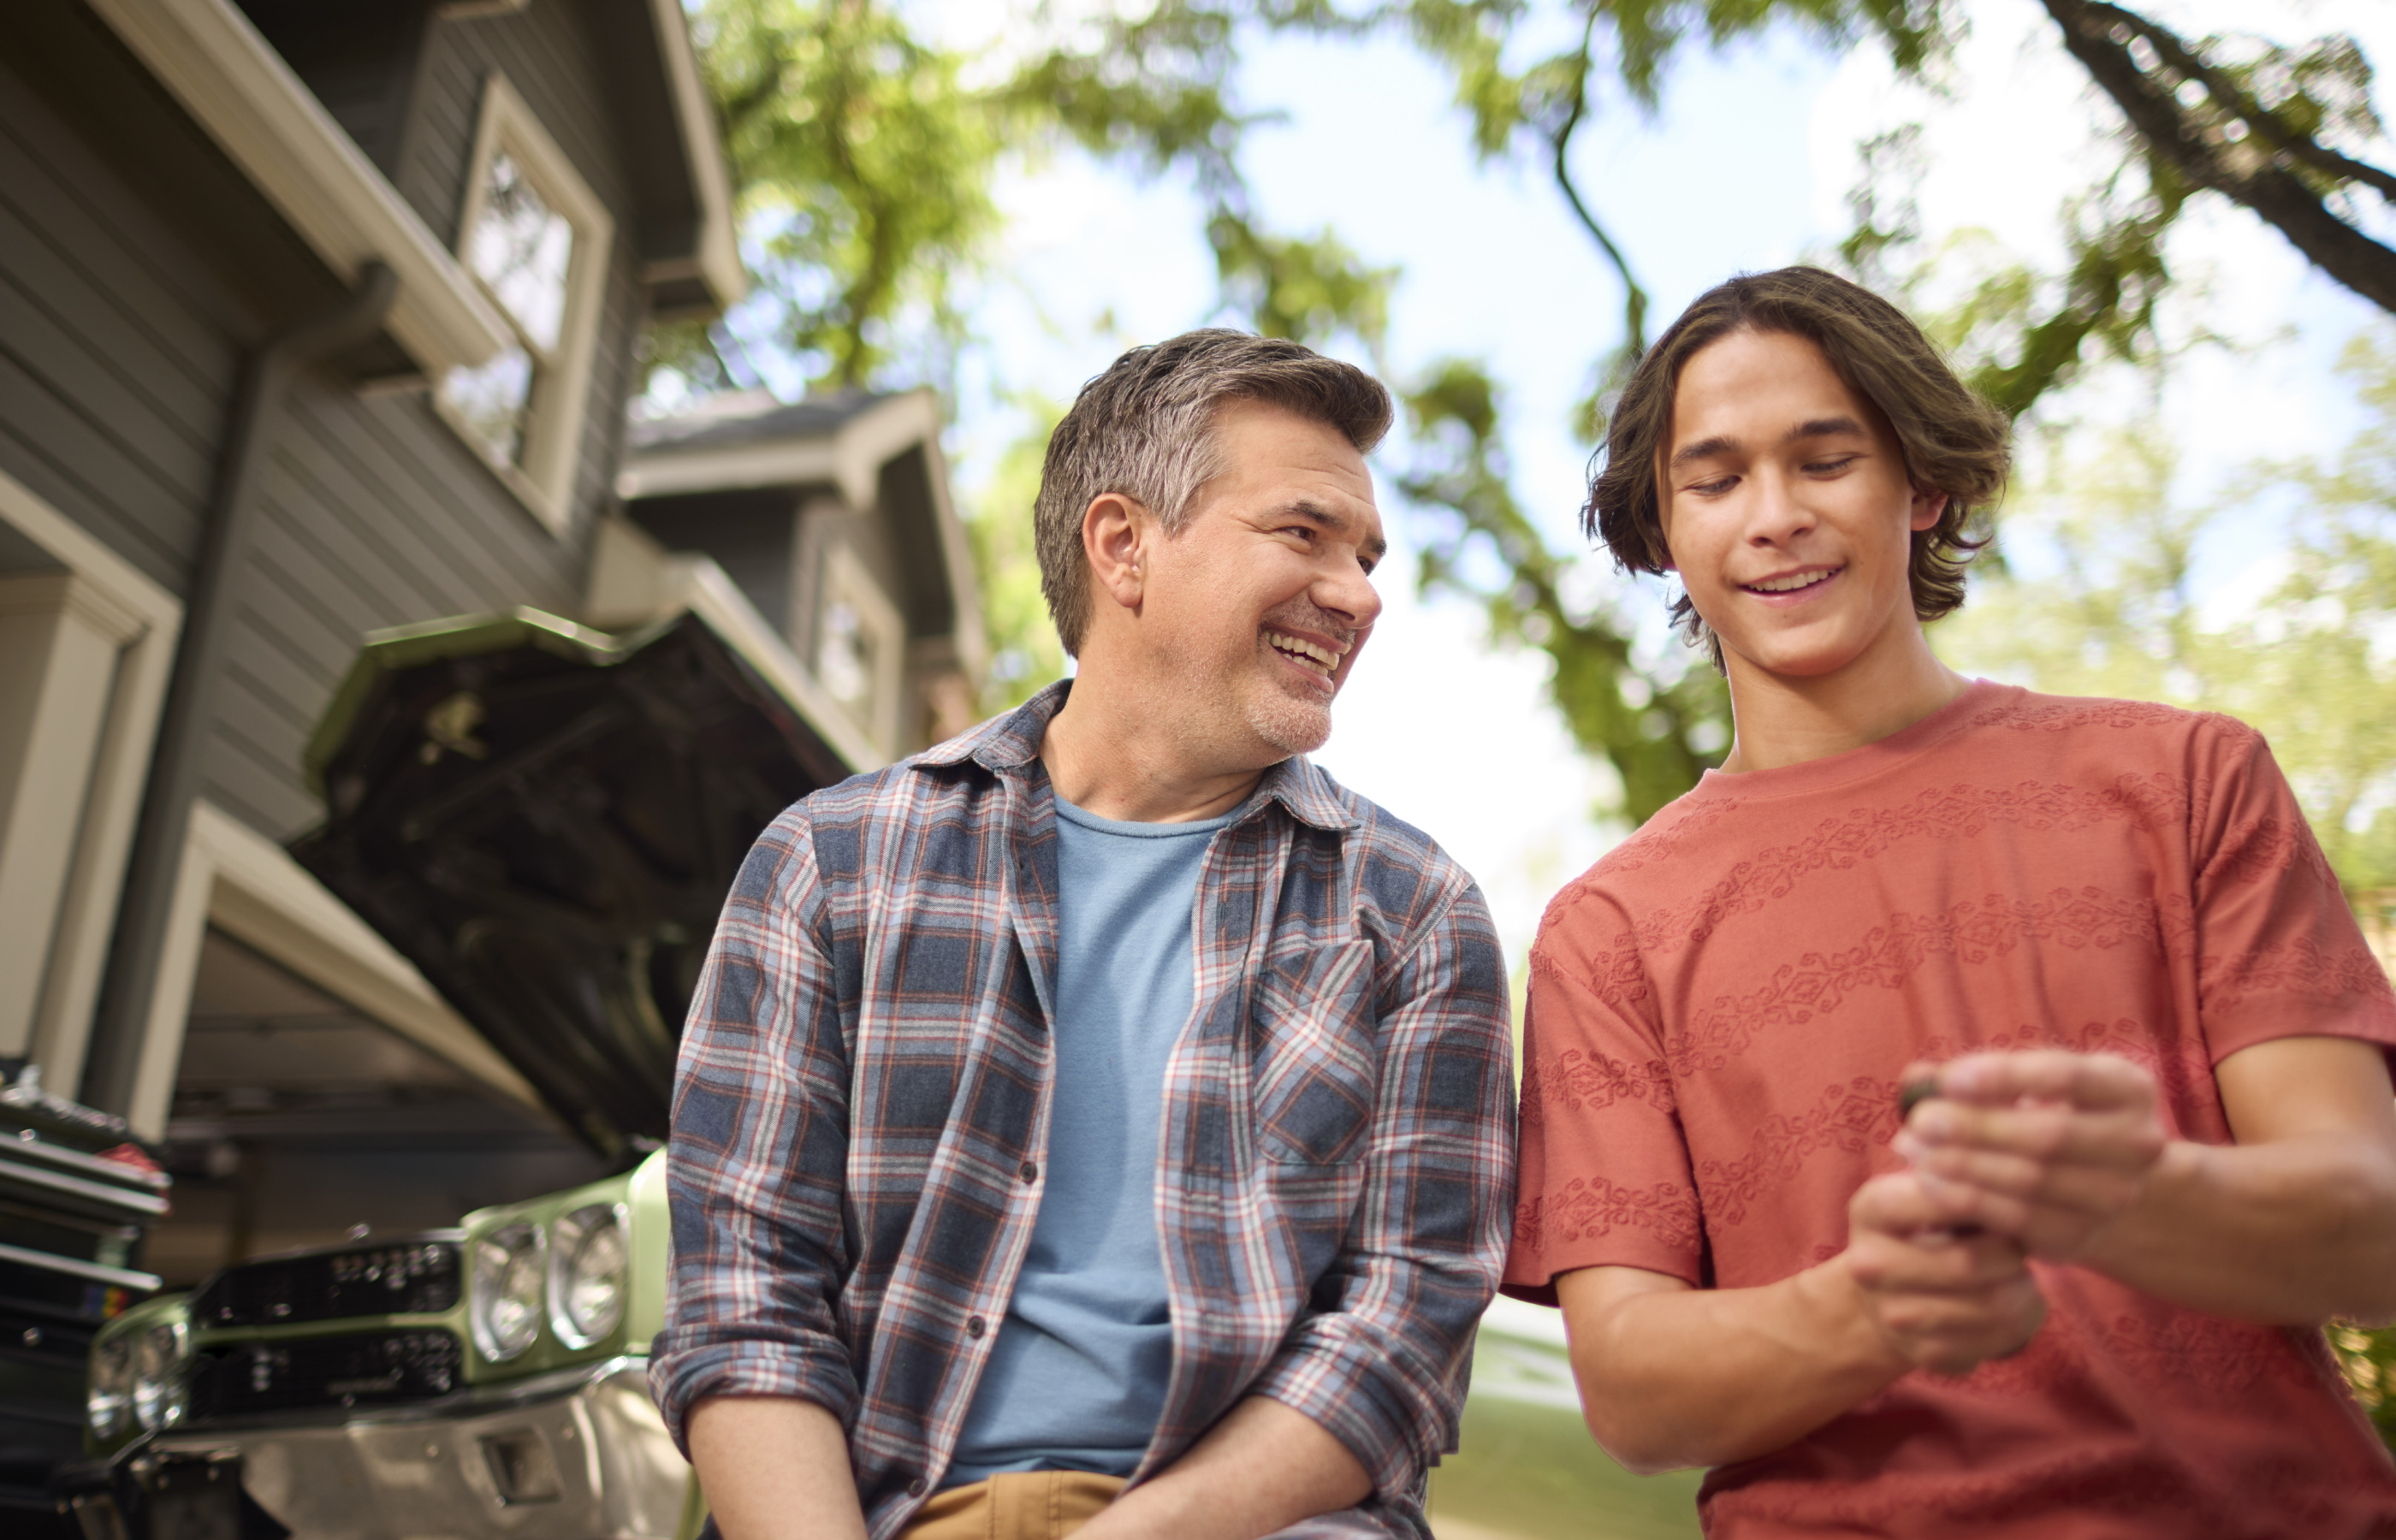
x: 1031, y: 1505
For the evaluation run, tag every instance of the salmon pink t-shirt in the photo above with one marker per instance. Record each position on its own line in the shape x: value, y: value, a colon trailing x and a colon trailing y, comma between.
x: 1719, y: 1013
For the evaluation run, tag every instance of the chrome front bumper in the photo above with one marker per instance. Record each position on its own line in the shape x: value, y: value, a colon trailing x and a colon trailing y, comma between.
x: 577, y: 1456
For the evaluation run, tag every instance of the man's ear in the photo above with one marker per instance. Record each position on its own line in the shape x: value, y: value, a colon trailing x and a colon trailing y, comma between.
x: 1115, y: 540
x: 1929, y: 507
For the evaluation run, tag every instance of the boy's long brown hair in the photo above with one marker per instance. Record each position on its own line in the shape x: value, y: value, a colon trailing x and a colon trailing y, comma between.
x: 1954, y: 440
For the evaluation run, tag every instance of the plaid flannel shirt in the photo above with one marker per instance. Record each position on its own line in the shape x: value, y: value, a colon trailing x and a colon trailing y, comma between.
x: 862, y: 1105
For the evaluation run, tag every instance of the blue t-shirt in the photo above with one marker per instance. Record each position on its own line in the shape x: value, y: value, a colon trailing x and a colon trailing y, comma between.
x: 1076, y: 1378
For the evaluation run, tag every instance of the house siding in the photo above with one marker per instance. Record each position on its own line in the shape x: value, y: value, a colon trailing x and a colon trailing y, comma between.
x: 117, y: 360
x: 358, y: 59
x: 373, y: 514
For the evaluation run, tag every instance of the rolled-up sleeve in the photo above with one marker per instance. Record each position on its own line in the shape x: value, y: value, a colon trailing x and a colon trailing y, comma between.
x: 1381, y: 1359
x: 755, y: 1165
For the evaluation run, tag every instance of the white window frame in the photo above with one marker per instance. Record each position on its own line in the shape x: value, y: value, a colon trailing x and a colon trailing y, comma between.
x: 846, y: 581
x: 75, y: 777
x: 561, y: 392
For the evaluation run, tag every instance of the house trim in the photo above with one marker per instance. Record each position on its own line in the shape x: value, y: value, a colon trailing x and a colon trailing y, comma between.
x: 717, y: 260
x: 845, y: 581
x: 636, y: 582
x: 239, y: 89
x: 244, y: 883
x: 956, y: 554
x: 141, y: 621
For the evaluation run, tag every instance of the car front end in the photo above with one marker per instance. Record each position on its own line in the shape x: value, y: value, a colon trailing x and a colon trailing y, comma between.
x: 487, y: 1380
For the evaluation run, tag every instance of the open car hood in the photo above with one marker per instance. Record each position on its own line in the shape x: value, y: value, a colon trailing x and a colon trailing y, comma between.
x: 545, y: 820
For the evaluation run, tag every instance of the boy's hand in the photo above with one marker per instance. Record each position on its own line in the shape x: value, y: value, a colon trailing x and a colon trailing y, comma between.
x: 2045, y: 1148
x: 1943, y: 1302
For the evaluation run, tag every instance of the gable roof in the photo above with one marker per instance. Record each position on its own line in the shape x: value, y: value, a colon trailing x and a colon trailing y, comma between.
x: 748, y: 439
x: 752, y: 417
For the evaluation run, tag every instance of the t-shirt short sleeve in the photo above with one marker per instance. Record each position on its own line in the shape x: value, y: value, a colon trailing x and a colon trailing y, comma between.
x: 2277, y: 951
x: 1605, y: 1178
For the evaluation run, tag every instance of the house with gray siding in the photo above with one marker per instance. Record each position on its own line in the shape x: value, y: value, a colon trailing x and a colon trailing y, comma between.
x: 319, y: 322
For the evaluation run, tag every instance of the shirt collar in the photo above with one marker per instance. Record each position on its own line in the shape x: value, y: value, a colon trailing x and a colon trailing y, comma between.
x: 1009, y: 742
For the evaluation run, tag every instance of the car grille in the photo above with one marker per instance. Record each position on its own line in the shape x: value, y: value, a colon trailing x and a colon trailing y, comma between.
x: 415, y: 1276
x: 360, y: 1369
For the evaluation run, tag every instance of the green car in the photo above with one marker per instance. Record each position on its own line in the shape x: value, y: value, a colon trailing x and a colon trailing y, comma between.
x: 487, y: 1380
x: 492, y: 1380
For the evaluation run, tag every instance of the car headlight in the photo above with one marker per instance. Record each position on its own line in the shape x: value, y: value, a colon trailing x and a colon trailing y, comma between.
x: 108, y: 1397
x: 587, y: 1263
x: 158, y: 1396
x: 507, y: 1291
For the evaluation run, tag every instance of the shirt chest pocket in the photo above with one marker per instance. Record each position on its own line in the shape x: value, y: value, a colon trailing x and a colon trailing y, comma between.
x: 1315, y: 1067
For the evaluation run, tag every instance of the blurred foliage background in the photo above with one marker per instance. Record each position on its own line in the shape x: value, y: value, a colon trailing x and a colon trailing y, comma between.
x: 2312, y: 663
x: 866, y: 155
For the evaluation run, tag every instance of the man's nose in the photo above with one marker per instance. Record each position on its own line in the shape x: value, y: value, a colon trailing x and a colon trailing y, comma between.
x: 1348, y: 593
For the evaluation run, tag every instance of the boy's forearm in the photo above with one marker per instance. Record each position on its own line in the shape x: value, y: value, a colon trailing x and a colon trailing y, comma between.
x: 2292, y: 1232
x: 774, y: 1467
x: 1682, y: 1377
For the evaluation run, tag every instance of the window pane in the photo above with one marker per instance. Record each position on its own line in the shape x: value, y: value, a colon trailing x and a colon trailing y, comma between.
x: 845, y: 662
x: 522, y: 248
x: 492, y: 400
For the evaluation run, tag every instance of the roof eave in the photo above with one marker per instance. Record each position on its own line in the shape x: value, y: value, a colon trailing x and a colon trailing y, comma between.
x: 848, y: 455
x: 716, y: 259
x: 266, y: 120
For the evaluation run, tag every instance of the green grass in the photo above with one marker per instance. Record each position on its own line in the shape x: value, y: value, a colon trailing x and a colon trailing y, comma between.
x: 1528, y: 1470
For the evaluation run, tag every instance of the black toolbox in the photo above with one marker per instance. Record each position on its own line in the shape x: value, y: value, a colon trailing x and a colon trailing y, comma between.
x: 76, y: 1192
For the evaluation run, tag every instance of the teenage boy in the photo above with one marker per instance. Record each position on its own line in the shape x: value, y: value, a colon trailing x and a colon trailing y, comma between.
x: 2078, y: 1293
x: 1106, y: 1101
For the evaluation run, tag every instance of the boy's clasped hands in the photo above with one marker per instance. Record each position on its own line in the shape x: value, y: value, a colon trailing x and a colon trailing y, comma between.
x: 2012, y: 1157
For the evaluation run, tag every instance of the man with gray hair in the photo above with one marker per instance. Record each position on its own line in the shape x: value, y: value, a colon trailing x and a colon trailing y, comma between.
x: 1103, y: 1122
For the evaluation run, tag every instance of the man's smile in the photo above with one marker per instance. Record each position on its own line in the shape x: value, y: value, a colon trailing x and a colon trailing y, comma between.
x: 1313, y: 656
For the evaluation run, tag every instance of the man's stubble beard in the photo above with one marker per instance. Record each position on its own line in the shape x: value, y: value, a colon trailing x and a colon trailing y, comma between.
x: 1292, y: 725
x: 1222, y: 708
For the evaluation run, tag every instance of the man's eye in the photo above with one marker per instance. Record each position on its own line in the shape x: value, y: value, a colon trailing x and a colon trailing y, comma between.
x: 1714, y: 488
x: 1831, y: 467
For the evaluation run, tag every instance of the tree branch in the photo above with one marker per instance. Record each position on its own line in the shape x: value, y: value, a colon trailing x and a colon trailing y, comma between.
x: 2265, y: 122
x: 2249, y: 176
x: 1634, y: 299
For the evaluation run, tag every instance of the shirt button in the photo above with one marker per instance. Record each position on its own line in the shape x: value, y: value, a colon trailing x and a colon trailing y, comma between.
x: 975, y: 1326
x: 915, y: 1488
x: 1030, y: 1170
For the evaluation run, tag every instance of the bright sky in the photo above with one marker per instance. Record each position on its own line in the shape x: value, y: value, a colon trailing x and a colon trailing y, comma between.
x: 1747, y: 167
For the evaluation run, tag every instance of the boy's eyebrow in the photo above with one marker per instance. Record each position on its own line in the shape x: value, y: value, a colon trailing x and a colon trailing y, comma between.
x: 1705, y: 448
x: 1315, y: 513
x: 1723, y: 444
